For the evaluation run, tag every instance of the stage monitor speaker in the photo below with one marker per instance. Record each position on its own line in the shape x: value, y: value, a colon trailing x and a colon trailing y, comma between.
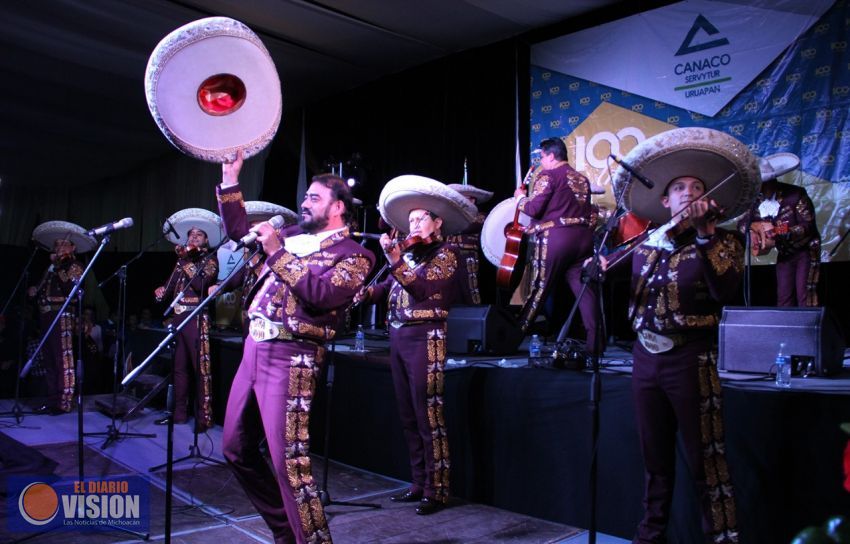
x: 750, y: 337
x: 484, y: 329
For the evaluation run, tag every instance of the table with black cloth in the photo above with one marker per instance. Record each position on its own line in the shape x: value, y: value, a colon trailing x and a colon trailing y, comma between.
x: 520, y: 440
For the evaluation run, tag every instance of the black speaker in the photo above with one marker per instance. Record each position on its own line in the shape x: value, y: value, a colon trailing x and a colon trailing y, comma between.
x: 750, y: 337
x: 482, y: 329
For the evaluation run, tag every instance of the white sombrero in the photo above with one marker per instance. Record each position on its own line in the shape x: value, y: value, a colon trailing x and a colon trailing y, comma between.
x: 409, y: 192
x: 704, y: 153
x: 193, y: 218
x: 260, y: 210
x: 213, y: 89
x: 775, y: 165
x: 47, y: 233
x: 480, y: 195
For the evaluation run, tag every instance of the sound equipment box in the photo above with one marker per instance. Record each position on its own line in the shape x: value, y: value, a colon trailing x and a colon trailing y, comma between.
x: 484, y: 329
x: 750, y: 338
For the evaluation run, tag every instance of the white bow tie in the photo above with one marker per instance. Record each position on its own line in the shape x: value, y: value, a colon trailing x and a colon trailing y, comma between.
x: 302, y: 244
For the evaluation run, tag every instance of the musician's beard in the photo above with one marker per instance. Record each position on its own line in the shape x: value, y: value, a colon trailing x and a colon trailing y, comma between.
x: 314, y: 223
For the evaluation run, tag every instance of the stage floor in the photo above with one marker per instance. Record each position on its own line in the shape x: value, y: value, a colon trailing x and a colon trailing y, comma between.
x: 210, y: 506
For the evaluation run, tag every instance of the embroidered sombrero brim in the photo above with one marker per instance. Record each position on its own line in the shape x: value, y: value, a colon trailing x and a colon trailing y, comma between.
x: 704, y: 153
x: 194, y: 218
x: 773, y: 166
x: 260, y: 210
x: 410, y: 192
x: 213, y: 89
x: 480, y: 195
x: 47, y: 233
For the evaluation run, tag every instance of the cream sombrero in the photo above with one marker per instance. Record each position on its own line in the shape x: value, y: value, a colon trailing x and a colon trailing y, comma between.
x: 213, y: 89
x: 775, y: 165
x: 480, y: 195
x: 47, y: 233
x: 260, y: 210
x: 193, y: 218
x: 409, y: 192
x: 704, y: 153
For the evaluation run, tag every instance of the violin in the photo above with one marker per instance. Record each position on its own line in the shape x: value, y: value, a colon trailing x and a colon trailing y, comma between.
x: 413, y: 241
x: 190, y: 251
x: 683, y: 232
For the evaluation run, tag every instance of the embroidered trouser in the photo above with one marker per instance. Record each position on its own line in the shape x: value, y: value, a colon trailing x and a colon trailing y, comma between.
x: 680, y: 390
x: 271, y: 396
x: 417, y: 360
x: 557, y: 258
x: 192, y: 366
x: 59, y: 361
x: 797, y: 279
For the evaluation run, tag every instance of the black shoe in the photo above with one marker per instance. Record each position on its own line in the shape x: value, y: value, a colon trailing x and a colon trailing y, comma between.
x: 162, y: 421
x: 46, y: 409
x: 407, y: 496
x: 428, y: 506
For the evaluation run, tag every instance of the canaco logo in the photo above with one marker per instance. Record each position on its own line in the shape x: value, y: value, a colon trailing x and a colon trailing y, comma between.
x: 38, y: 503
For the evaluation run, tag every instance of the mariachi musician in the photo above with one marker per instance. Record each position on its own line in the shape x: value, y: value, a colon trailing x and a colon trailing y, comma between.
x: 65, y: 270
x: 468, y: 241
x: 257, y: 211
x: 195, y: 270
x: 682, y: 274
x: 425, y: 280
x: 562, y: 222
x: 783, y: 216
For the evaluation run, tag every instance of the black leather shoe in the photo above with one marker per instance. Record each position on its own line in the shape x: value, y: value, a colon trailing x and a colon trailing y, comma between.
x: 407, y: 496
x: 162, y: 421
x: 46, y: 409
x: 428, y: 506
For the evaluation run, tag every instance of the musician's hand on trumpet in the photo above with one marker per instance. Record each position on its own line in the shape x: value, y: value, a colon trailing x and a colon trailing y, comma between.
x: 230, y: 171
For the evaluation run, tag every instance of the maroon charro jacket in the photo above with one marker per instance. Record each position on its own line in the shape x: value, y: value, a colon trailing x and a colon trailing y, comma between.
x: 306, y: 295
x: 422, y: 286
x: 559, y: 198
x: 468, y: 245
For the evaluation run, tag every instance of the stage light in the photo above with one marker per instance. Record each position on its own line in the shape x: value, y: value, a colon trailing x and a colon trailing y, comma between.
x: 351, y: 182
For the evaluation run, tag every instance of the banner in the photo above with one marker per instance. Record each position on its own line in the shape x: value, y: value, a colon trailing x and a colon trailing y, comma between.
x: 695, y: 55
x: 800, y: 104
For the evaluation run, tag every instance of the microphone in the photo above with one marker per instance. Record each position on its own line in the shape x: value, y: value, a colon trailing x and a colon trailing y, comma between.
x: 125, y: 223
x: 366, y: 235
x: 174, y: 303
x: 171, y: 229
x: 276, y: 222
x: 648, y: 183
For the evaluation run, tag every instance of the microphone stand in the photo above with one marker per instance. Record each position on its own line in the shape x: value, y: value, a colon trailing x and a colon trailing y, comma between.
x: 113, y: 433
x: 174, y: 331
x: 194, y: 449
x: 594, y: 274
x: 17, y: 410
x: 77, y: 291
x: 324, y: 496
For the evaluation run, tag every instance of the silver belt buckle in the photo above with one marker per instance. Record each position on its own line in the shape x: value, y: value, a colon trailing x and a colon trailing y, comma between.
x: 261, y: 330
x: 179, y: 309
x: 655, y: 343
x: 396, y: 324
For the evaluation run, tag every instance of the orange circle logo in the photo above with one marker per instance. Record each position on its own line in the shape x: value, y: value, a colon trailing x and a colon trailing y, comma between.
x: 38, y: 503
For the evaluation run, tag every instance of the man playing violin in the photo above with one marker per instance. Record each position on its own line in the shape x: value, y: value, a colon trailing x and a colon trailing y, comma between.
x: 679, y: 285
x: 192, y: 274
x: 562, y: 221
x: 311, y: 273
x: 58, y: 281
x: 425, y: 280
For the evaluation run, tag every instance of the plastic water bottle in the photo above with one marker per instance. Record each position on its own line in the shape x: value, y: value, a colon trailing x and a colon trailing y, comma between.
x: 359, y: 339
x: 783, y: 367
x: 535, y: 346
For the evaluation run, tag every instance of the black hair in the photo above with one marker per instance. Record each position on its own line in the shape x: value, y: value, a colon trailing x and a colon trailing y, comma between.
x: 556, y: 147
x: 340, y: 191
